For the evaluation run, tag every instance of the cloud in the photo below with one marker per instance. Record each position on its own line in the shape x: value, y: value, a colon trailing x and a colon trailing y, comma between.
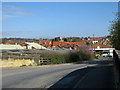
x: 9, y: 16
x: 10, y: 12
x: 13, y: 11
x: 17, y: 33
x: 19, y: 13
x: 13, y: 8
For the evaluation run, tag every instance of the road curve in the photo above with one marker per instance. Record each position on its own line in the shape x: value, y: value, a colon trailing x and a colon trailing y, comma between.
x: 59, y: 76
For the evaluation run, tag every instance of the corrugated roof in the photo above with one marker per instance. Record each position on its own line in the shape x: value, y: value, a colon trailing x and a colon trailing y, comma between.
x: 35, y: 45
x: 10, y: 47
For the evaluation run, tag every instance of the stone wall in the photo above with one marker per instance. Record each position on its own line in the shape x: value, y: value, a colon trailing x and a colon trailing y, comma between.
x: 116, y: 55
x: 16, y: 63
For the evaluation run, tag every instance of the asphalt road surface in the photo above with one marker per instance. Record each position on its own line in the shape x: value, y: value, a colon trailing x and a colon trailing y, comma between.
x: 94, y: 74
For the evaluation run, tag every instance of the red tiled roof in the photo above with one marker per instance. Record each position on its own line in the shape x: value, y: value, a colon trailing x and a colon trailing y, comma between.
x: 10, y: 42
x: 56, y: 43
x: 23, y: 44
x: 79, y: 43
x: 100, y: 45
x: 96, y: 39
x: 37, y: 42
x: 67, y: 43
x: 42, y: 42
x: 49, y: 47
x: 46, y: 42
x: 71, y: 43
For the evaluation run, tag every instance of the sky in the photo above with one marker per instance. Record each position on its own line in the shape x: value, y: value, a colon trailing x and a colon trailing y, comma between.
x: 54, y: 19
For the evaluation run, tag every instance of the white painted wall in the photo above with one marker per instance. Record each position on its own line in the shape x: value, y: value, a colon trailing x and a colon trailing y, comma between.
x: 94, y: 42
x: 29, y: 47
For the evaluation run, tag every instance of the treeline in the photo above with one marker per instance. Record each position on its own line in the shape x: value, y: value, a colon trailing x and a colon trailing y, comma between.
x: 21, y: 40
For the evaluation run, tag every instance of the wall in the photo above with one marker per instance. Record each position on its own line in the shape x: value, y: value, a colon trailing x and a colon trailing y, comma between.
x: 116, y: 57
x: 15, y: 63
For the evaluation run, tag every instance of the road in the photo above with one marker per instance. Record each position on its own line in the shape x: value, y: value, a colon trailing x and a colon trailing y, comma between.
x: 94, y: 74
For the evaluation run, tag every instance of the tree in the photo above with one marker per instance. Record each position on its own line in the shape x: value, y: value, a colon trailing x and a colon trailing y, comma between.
x: 65, y: 39
x: 87, y: 43
x: 76, y: 39
x: 57, y: 39
x: 4, y: 40
x: 115, y: 33
x: 35, y: 40
x: 86, y: 38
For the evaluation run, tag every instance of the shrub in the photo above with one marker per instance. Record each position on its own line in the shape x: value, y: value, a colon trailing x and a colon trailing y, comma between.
x: 56, y: 57
x: 23, y: 65
x: 74, y: 56
x: 66, y: 57
x: 83, y: 54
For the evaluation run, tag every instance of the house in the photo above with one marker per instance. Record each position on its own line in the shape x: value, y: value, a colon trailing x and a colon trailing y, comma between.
x: 79, y: 43
x: 98, y: 47
x: 68, y: 45
x: 87, y: 41
x: 49, y: 47
x: 32, y: 45
x: 96, y: 40
x: 37, y: 42
x: 27, y: 46
x: 10, y: 42
x: 46, y: 43
x: 24, y: 45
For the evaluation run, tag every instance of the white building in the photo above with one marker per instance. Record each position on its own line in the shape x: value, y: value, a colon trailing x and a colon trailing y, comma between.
x: 109, y: 50
x: 34, y: 45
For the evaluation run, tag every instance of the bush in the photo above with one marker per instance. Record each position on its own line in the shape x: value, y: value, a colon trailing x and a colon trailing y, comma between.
x: 74, y: 56
x: 80, y: 56
x: 66, y: 57
x: 23, y: 65
x: 59, y: 58
x: 56, y: 57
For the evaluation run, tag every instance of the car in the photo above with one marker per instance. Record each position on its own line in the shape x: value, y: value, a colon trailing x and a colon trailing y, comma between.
x: 109, y: 55
x: 104, y: 55
x: 97, y: 55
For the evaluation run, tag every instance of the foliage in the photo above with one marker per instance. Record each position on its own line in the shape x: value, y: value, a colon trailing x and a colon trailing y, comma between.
x: 65, y: 39
x: 68, y: 57
x: 53, y: 57
x: 57, y: 39
x: 34, y: 40
x: 76, y: 39
x: 23, y: 65
x: 4, y: 40
x: 115, y: 33
x: 87, y: 43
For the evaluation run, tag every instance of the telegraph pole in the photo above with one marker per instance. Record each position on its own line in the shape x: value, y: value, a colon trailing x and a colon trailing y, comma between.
x: 94, y: 43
